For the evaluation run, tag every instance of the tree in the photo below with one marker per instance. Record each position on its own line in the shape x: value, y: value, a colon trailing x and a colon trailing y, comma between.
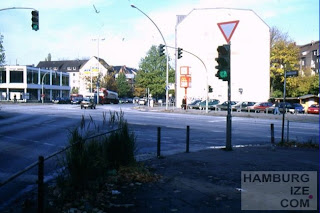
x: 48, y: 58
x: 152, y: 74
x: 284, y: 55
x: 122, y: 85
x: 2, y: 54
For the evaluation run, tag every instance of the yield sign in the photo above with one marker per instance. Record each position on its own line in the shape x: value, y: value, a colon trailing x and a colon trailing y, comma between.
x: 228, y: 28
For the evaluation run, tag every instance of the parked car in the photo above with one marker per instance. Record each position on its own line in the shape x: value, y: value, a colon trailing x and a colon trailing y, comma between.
x: 313, y: 109
x: 212, y: 104
x: 243, y: 105
x: 296, y: 108
x: 194, y: 104
x: 62, y: 100
x: 76, y: 100
x: 224, y: 105
x: 88, y: 103
x: 142, y: 101
x: 261, y: 106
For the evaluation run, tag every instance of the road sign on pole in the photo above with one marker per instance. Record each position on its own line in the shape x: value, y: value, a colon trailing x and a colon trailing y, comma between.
x: 228, y: 28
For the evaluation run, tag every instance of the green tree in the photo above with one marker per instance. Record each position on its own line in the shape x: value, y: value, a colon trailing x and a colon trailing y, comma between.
x: 48, y: 58
x: 152, y: 74
x: 284, y: 56
x: 122, y: 85
x: 2, y: 54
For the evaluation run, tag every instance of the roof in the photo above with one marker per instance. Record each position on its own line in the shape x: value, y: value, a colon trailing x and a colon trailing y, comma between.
x: 64, y: 66
x: 124, y: 69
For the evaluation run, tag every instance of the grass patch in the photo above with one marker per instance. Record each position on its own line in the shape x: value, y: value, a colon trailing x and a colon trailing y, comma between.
x: 308, y: 144
x: 97, y: 169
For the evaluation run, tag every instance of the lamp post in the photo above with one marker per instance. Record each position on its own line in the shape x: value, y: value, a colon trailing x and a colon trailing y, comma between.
x: 165, y: 43
x: 98, y: 77
x: 42, y: 95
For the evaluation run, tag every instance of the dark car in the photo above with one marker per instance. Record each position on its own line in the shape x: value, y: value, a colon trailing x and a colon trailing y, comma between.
x: 76, y: 100
x: 88, y: 103
x: 194, y: 104
x: 287, y: 107
x: 224, y: 105
x: 296, y: 108
x: 212, y: 104
x: 62, y: 100
x: 313, y: 109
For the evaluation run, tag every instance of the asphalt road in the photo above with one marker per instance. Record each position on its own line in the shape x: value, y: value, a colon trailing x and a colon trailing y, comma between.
x: 30, y: 130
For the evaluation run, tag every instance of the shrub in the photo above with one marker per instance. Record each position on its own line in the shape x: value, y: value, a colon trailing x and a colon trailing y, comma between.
x: 90, y: 157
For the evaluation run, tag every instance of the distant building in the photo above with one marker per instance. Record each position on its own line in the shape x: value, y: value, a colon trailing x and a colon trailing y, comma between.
x: 309, y: 57
x: 82, y: 70
x: 25, y: 83
x: 71, y: 66
x: 198, y: 33
x: 130, y: 73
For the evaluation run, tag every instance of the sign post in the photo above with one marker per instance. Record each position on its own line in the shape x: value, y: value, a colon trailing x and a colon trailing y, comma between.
x: 227, y: 29
x: 185, y: 82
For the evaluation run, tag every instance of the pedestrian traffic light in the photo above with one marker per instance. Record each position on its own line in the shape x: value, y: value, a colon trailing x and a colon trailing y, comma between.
x: 35, y: 20
x: 223, y: 61
x: 209, y: 89
x: 161, y: 49
x: 180, y: 53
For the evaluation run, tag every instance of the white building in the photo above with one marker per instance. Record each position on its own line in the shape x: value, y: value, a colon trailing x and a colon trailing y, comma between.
x: 26, y: 83
x: 199, y: 34
x: 92, y: 68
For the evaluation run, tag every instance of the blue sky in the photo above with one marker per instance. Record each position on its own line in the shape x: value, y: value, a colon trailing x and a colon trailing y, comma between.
x: 68, y: 27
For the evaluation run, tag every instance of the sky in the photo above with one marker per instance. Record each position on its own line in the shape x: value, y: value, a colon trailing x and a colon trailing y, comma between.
x: 121, y: 34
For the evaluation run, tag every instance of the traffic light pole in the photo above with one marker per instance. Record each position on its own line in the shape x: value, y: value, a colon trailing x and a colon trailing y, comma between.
x: 229, y: 121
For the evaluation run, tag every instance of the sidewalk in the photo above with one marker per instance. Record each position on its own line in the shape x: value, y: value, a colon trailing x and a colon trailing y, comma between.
x: 210, y: 180
x: 261, y: 115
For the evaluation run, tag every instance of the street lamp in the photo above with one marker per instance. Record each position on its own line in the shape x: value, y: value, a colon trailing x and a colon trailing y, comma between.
x: 98, y: 77
x: 42, y: 95
x: 165, y: 43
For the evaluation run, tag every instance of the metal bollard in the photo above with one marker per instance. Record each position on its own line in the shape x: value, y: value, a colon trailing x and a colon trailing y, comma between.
x: 288, y: 131
x: 272, y: 136
x: 40, y: 185
x: 187, y: 139
x: 158, y: 143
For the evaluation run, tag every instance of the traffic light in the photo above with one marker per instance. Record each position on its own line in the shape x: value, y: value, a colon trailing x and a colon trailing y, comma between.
x: 209, y: 89
x: 223, y: 62
x: 35, y: 20
x: 161, y: 49
x: 180, y: 53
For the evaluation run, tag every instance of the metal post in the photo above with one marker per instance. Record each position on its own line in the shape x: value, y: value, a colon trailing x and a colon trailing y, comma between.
x: 187, y: 139
x: 272, y: 136
x: 229, y: 124
x: 40, y: 185
x: 284, y: 105
x: 158, y: 142
x: 287, y: 131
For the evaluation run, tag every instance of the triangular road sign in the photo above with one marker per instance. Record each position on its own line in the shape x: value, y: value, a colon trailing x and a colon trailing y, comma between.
x: 228, y: 28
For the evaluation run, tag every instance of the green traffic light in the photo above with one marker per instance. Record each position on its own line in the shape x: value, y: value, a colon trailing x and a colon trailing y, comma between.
x: 223, y: 74
x: 35, y: 27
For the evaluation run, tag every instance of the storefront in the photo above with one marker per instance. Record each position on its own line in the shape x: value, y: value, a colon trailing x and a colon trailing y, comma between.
x: 25, y: 84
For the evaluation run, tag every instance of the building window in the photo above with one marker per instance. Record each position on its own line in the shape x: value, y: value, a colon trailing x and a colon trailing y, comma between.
x: 56, y: 79
x: 65, y: 80
x: 32, y: 77
x: 16, y: 76
x: 68, y: 68
x: 74, y: 74
x: 74, y: 68
x: 3, y: 75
